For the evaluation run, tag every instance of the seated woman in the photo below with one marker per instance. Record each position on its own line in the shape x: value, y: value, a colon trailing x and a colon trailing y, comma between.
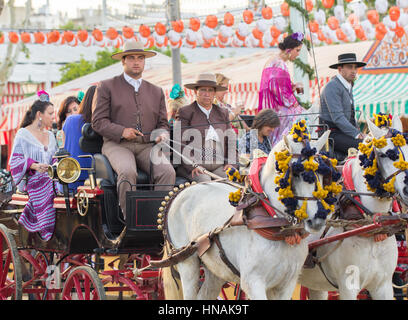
x: 32, y: 152
x: 259, y: 136
x: 68, y: 107
x: 73, y: 131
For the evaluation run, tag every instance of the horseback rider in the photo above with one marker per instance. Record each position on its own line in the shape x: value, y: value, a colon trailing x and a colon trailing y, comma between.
x: 337, y: 104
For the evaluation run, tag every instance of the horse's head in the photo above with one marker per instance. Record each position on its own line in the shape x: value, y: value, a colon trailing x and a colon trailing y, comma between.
x: 385, y: 158
x: 304, y: 179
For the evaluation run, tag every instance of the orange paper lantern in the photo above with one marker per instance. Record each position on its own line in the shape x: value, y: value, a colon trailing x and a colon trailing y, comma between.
x: 373, y: 16
x: 128, y: 32
x: 267, y: 13
x: 211, y: 21
x: 328, y: 3
x: 353, y: 19
x: 160, y: 29
x: 380, y: 28
x: 248, y: 16
x: 13, y: 37
x: 25, y: 37
x: 320, y: 35
x: 394, y: 13
x: 39, y: 37
x: 195, y: 24
x: 1, y: 38
x: 177, y: 26
x: 275, y: 32
x: 68, y: 36
x: 83, y: 35
x: 360, y: 32
x: 379, y: 35
x: 97, y: 34
x: 309, y: 5
x: 333, y: 23
x: 228, y: 19
x: 258, y: 34
x: 314, y: 26
x: 399, y: 31
x: 340, y: 34
x: 285, y: 9
x: 144, y: 31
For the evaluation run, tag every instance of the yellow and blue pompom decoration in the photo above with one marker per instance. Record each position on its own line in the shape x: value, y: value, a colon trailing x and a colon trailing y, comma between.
x: 234, y: 197
x: 234, y: 175
x: 382, y: 120
x: 299, y: 131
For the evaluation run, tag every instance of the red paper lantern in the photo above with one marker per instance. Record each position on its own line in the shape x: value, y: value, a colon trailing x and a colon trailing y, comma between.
x: 328, y: 3
x: 13, y: 37
x: 39, y: 37
x: 340, y: 34
x: 25, y: 37
x: 160, y: 29
x: 309, y: 5
x: 314, y: 26
x: 144, y: 31
x: 83, y: 35
x: 128, y: 32
x: 275, y: 32
x: 320, y: 35
x: 97, y: 34
x: 195, y: 24
x: 177, y: 26
x: 380, y: 28
x: 333, y: 23
x: 257, y: 33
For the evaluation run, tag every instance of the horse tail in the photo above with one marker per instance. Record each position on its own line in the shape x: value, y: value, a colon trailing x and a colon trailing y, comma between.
x: 171, y: 281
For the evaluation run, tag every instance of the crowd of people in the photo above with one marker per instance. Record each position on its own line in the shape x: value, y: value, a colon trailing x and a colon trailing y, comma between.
x: 129, y: 113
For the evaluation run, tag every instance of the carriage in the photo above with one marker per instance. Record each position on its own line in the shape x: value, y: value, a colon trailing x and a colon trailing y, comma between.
x: 89, y: 232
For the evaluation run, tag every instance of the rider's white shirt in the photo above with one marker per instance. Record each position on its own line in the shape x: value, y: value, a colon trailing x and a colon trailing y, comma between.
x: 133, y: 82
x: 345, y: 83
x: 211, y: 133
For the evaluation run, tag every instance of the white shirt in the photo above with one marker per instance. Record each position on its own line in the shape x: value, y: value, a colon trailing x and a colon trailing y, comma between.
x: 133, y: 82
x: 211, y: 133
x: 345, y: 83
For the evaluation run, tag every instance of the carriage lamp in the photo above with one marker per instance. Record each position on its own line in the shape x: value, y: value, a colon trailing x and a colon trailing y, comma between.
x: 68, y: 170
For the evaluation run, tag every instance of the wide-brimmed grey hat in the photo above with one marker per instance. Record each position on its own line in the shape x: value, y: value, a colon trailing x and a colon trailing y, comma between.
x: 347, y: 58
x: 205, y: 80
x: 133, y: 47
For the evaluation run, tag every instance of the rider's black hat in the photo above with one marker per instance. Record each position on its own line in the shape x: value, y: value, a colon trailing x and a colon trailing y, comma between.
x: 347, y: 58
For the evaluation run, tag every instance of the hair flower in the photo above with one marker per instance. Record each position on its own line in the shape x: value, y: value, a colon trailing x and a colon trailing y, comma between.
x: 176, y: 92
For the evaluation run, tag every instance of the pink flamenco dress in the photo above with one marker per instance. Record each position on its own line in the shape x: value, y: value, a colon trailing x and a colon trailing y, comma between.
x: 276, y: 93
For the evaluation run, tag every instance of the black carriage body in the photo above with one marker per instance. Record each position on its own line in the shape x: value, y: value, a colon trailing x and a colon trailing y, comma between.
x: 99, y: 231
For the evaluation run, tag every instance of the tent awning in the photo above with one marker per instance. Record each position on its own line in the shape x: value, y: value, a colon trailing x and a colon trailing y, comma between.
x: 386, y: 93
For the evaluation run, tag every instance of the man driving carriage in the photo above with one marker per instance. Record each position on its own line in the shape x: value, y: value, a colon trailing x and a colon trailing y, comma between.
x: 337, y: 104
x: 128, y: 106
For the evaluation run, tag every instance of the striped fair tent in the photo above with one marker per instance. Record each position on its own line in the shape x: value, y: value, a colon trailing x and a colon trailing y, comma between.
x: 386, y: 93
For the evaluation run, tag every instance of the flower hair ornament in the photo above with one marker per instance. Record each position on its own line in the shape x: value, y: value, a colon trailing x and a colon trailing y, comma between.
x: 176, y: 92
x: 43, y: 96
x: 299, y: 36
x: 382, y: 120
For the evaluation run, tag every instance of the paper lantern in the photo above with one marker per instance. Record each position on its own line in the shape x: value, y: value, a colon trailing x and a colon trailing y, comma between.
x: 208, y: 33
x: 353, y: 19
x: 380, y: 28
x: 257, y: 34
x: 211, y: 21
x: 242, y: 31
x: 68, y: 36
x: 285, y: 9
x: 160, y: 40
x: 144, y: 30
x: 320, y: 35
x: 53, y: 36
x: 25, y: 37
x: 313, y: 26
x: 1, y: 38
x: 339, y: 13
x: 228, y: 19
x: 281, y: 23
x: 262, y: 25
x: 13, y: 37
x: 333, y: 23
x: 83, y: 35
x: 328, y: 3
x: 373, y: 16
x: 381, y: 6
x: 320, y: 17
x: 226, y: 32
x: 267, y: 12
x: 248, y: 16
x: 39, y: 37
x: 394, y: 13
x: 275, y: 32
x: 340, y: 34
x: 97, y: 34
x: 360, y: 32
x: 403, y: 4
x: 379, y: 36
x: 399, y: 31
x: 195, y: 24
x: 128, y: 32
x: 309, y: 5
x: 177, y: 26
x: 160, y: 29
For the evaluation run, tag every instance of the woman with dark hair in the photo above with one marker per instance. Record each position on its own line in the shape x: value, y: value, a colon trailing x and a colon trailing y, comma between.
x: 69, y: 106
x: 277, y: 90
x: 31, y: 155
x: 73, y: 131
x: 263, y: 126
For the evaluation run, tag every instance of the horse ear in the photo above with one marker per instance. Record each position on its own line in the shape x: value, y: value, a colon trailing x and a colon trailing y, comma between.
x: 319, y: 143
x: 397, y: 123
x: 375, y: 131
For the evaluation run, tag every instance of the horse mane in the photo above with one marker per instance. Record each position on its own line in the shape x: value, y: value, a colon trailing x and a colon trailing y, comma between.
x: 269, y: 168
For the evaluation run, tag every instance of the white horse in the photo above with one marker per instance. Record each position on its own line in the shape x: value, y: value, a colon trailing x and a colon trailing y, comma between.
x: 360, y: 262
x: 268, y: 269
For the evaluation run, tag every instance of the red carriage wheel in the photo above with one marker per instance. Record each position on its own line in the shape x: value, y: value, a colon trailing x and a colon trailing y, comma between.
x: 83, y: 283
x: 10, y: 267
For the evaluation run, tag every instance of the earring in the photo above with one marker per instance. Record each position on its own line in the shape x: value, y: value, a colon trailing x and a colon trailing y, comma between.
x: 39, y: 124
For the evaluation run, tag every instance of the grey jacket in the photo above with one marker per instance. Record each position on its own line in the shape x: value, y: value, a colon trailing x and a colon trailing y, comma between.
x: 337, y: 108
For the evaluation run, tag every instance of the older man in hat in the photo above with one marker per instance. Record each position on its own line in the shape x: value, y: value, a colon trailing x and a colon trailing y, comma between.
x: 129, y: 113
x: 337, y: 104
x: 206, y: 129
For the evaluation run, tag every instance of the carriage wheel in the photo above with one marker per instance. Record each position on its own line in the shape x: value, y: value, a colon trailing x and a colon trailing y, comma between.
x: 83, y: 283
x: 10, y: 267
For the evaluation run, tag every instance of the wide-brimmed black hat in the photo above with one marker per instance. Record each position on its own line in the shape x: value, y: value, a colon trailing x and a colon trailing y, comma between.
x: 347, y: 58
